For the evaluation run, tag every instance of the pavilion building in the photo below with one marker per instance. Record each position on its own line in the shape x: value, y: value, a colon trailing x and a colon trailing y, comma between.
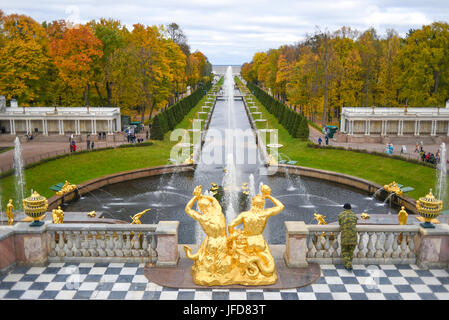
x: 16, y: 120
x: 376, y: 124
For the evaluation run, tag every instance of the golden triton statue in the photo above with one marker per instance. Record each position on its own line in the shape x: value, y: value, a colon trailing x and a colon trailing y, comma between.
x: 66, y: 188
x: 365, y: 215
x: 9, y: 212
x: 393, y: 187
x: 92, y: 214
x: 212, y: 264
x: 243, y: 257
x: 251, y: 254
x: 137, y: 216
x: 57, y: 215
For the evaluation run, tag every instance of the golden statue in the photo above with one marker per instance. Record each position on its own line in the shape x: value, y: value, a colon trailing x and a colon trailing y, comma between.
x: 393, y: 187
x: 365, y: 215
x: 251, y: 255
x: 319, y: 218
x: 212, y: 264
x: 243, y: 257
x: 66, y: 188
x: 402, y: 216
x: 9, y: 212
x: 92, y: 214
x: 137, y: 216
x: 57, y: 215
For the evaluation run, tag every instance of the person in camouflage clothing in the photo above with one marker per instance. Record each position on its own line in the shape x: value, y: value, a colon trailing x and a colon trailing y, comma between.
x: 348, y: 221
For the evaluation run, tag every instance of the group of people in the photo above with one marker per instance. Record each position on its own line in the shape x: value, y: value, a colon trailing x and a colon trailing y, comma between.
x: 427, y: 156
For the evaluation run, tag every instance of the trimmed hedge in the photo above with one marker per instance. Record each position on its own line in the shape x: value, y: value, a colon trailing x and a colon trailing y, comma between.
x: 168, y: 119
x: 293, y: 122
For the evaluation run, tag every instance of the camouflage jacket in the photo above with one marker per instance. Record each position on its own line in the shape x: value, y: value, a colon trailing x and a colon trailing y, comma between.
x: 348, y: 221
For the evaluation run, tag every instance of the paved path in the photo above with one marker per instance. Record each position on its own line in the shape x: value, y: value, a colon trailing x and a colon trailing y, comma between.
x: 127, y: 281
x: 314, y: 134
x: 34, y: 151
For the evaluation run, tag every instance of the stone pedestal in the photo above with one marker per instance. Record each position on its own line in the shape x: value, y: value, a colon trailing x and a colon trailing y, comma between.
x: 167, y: 244
x: 31, y: 244
x: 7, y: 249
x: 296, y: 244
x: 433, y: 247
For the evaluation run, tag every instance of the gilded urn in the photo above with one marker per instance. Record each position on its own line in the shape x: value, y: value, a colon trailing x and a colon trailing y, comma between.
x: 429, y: 208
x: 35, y: 207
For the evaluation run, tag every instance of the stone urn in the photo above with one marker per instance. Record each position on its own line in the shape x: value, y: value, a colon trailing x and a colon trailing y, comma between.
x: 429, y: 208
x: 35, y: 207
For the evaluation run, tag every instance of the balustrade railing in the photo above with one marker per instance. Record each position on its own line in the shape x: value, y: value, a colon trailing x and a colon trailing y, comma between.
x: 377, y: 244
x: 102, y: 243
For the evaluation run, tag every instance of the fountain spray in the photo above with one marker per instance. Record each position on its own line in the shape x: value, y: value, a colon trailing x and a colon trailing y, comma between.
x: 441, y: 186
x: 18, y: 172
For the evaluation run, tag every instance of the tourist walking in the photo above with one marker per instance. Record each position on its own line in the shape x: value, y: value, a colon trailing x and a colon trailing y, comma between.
x: 88, y: 141
x: 92, y: 146
x: 320, y: 141
x: 417, y: 147
x: 403, y: 149
x: 348, y: 221
x: 327, y: 139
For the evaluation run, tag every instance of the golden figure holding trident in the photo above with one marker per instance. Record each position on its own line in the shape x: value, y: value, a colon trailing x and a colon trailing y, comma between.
x: 137, y: 216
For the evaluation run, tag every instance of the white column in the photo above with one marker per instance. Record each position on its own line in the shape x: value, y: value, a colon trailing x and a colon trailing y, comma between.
x: 95, y: 126
x: 417, y: 127
x: 433, y: 131
x: 342, y: 124
x: 400, y: 127
x: 109, y: 126
x: 12, y: 126
x: 448, y: 128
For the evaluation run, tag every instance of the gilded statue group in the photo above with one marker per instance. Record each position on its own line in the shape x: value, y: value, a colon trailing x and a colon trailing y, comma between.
x: 240, y: 256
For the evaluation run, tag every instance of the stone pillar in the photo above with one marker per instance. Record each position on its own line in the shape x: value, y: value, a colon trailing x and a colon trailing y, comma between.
x: 12, y: 125
x: 343, y: 123
x: 31, y: 244
x: 167, y: 244
x: 432, y: 246
x: 295, y: 255
x: 7, y: 249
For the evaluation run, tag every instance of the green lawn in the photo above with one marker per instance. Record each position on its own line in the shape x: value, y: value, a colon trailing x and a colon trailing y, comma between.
x: 81, y: 167
x: 380, y: 170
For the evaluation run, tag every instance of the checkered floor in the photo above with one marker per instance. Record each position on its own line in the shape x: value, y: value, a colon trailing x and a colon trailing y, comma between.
x: 127, y: 281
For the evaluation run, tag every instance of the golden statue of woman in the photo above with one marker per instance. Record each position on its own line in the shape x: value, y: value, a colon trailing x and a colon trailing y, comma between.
x: 250, y: 251
x: 211, y: 263
x: 9, y: 212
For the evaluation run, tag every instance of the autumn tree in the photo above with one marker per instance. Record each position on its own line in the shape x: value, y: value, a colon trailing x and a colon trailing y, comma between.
x: 75, y: 55
x: 23, y: 58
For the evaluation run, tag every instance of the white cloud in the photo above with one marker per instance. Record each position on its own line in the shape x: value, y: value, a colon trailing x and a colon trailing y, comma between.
x: 231, y: 31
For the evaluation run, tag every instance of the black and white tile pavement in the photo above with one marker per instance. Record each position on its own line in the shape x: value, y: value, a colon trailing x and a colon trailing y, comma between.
x: 127, y: 281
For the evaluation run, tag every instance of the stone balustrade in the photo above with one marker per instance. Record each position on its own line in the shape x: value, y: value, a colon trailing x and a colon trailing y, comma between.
x: 101, y: 242
x: 156, y: 244
x: 377, y: 244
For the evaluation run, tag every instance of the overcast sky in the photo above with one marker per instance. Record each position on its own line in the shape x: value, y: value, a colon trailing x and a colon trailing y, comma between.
x: 231, y: 31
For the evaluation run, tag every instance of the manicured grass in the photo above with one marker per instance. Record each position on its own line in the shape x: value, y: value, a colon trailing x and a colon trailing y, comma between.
x: 78, y: 168
x: 380, y: 170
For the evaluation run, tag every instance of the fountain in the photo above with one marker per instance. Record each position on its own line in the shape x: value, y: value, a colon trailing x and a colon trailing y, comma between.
x: 18, y: 172
x: 225, y: 166
x: 441, y: 184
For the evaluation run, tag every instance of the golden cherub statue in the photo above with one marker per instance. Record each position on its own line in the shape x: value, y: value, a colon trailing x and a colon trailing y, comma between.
x: 137, y: 216
x: 10, y: 212
x: 319, y: 218
x: 402, y: 216
x: 57, y: 215
x: 393, y: 187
